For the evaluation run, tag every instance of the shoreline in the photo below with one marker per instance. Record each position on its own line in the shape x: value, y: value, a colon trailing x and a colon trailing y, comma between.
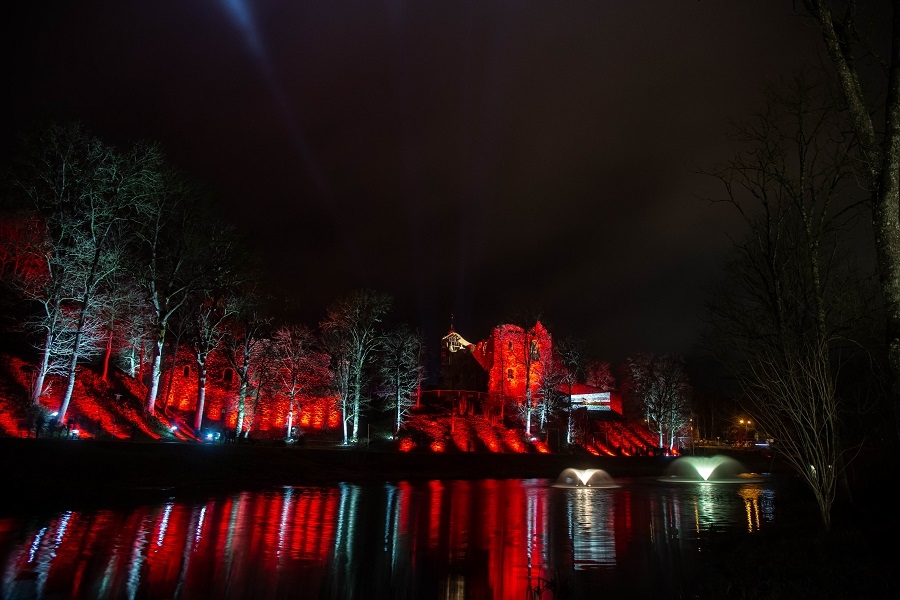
x: 39, y: 470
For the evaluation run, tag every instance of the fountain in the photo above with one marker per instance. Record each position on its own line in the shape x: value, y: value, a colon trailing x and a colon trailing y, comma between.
x: 713, y: 469
x: 581, y: 478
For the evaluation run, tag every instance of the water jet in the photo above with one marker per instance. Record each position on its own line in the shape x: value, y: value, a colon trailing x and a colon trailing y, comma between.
x: 592, y: 478
x: 713, y: 469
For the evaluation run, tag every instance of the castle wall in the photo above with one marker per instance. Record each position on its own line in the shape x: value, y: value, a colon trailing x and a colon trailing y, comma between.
x: 513, y: 358
x: 267, y: 418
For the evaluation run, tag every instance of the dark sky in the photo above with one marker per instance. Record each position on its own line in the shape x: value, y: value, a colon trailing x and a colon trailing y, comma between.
x: 469, y: 158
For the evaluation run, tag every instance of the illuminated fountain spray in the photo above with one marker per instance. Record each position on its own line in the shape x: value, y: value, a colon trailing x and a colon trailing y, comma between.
x: 713, y: 469
x: 593, y: 478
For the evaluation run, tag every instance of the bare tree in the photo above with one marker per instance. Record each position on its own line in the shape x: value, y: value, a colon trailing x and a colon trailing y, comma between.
x: 83, y: 191
x: 210, y: 317
x: 570, y: 359
x: 352, y: 332
x: 244, y: 348
x: 123, y: 314
x: 217, y: 300
x: 661, y: 386
x: 36, y: 275
x: 300, y: 367
x: 874, y: 113
x: 599, y: 374
x: 549, y: 400
x: 402, y: 371
x: 172, y: 249
x: 782, y: 313
x: 523, y: 340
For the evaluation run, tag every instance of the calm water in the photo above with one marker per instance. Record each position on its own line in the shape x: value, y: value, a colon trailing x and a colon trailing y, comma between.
x: 442, y: 539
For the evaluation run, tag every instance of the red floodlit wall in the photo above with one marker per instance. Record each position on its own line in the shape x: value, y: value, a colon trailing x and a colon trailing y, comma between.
x: 268, y: 416
x: 615, y: 402
x: 513, y: 358
x: 22, y: 249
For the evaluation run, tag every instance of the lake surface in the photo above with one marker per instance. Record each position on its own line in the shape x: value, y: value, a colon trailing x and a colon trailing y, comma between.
x: 490, y: 539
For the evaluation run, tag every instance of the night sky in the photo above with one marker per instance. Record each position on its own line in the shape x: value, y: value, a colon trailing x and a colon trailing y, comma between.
x: 470, y: 158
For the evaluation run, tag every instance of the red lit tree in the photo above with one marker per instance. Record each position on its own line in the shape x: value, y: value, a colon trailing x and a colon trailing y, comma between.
x: 522, y: 347
x: 600, y: 375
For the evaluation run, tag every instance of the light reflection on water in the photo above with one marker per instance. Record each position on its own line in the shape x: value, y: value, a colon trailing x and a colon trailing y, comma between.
x: 451, y: 539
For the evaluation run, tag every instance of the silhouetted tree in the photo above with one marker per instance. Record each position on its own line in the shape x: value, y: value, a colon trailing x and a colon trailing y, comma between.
x: 599, y: 374
x: 873, y: 107
x: 784, y: 310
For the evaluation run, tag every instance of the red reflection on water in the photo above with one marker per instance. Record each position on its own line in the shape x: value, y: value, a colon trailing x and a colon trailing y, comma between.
x: 488, y: 538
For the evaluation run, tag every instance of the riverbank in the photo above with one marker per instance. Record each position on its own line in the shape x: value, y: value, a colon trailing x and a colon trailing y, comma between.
x: 41, y: 469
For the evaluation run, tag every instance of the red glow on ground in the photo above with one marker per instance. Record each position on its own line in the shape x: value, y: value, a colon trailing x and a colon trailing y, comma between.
x: 113, y: 409
x: 541, y: 447
x: 487, y: 434
x: 513, y: 441
x: 94, y: 409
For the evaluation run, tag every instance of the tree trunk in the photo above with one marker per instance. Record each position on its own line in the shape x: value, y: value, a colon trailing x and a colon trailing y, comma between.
x: 290, y: 418
x: 344, y: 404
x: 106, y: 356
x: 357, y: 402
x: 70, y: 381
x: 155, y: 373
x: 201, y: 395
x: 397, y: 425
x: 37, y: 390
x: 887, y: 217
x: 141, y: 366
x: 883, y: 169
x: 242, y: 399
x: 172, y: 369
